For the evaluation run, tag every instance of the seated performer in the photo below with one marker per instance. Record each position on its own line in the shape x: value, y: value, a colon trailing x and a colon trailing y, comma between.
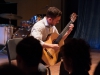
x: 46, y: 26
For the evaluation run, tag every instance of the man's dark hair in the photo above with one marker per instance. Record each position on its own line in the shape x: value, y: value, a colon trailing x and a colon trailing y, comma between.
x: 30, y: 50
x: 53, y: 12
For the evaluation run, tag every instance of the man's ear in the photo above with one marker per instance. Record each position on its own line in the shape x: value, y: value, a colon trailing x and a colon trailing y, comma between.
x: 50, y: 19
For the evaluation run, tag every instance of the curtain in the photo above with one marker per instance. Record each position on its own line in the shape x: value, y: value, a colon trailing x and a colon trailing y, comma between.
x: 88, y: 22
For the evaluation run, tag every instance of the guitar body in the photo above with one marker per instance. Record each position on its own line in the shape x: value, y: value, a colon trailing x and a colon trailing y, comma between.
x: 45, y: 57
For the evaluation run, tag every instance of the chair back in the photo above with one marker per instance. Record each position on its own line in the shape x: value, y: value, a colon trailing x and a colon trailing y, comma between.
x: 11, y: 48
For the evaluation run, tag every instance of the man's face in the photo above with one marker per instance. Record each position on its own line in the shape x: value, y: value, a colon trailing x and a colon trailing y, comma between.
x: 54, y: 21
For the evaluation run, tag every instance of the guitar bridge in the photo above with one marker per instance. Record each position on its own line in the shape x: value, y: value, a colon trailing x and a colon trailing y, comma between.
x: 49, y: 53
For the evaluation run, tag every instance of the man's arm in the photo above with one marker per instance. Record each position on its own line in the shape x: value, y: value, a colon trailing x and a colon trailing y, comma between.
x: 47, y: 45
x: 36, y: 32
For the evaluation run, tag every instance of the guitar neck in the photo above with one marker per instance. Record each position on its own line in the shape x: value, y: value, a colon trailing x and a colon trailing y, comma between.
x: 62, y: 33
x: 66, y: 28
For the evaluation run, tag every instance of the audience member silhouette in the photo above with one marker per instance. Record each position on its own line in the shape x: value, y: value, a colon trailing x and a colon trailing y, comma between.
x: 10, y: 69
x: 76, y: 56
x: 29, y: 53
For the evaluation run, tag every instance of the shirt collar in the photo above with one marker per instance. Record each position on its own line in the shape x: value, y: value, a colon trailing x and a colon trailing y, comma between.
x: 45, y: 22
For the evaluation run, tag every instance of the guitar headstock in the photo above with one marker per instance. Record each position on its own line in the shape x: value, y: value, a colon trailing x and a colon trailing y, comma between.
x: 73, y: 17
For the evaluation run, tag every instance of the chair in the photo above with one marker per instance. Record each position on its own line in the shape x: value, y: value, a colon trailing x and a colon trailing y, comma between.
x: 11, y: 51
x: 11, y: 48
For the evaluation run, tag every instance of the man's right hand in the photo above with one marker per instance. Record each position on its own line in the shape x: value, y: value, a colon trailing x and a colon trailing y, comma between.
x: 53, y: 46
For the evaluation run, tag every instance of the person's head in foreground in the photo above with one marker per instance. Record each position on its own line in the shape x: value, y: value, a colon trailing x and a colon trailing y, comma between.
x: 76, y: 56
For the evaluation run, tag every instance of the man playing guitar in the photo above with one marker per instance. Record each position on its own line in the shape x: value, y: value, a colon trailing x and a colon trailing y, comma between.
x: 45, y: 27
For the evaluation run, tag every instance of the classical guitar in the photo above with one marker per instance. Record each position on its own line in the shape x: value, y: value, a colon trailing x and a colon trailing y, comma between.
x: 50, y: 55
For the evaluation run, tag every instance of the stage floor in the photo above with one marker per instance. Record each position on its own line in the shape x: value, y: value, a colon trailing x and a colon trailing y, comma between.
x: 55, y: 69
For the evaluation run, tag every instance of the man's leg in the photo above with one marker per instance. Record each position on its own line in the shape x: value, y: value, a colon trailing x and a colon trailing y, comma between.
x: 62, y: 70
x: 42, y: 68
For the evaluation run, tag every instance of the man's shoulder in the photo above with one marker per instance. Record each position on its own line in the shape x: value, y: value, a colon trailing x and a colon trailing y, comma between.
x: 40, y: 24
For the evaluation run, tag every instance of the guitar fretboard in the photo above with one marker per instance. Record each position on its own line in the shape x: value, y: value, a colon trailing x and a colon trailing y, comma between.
x: 62, y: 33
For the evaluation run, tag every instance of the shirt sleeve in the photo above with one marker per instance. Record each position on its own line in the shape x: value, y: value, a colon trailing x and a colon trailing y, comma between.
x: 37, y: 32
